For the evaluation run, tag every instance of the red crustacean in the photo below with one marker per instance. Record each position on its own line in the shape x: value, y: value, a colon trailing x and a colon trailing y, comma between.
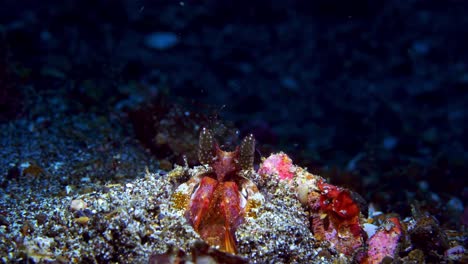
x: 335, y: 218
x: 220, y: 196
x: 339, y: 202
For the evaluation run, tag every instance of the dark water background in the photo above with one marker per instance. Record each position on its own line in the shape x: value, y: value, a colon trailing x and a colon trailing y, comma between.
x: 370, y: 94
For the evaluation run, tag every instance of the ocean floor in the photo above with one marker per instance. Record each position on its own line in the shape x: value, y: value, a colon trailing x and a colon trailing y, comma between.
x: 80, y: 189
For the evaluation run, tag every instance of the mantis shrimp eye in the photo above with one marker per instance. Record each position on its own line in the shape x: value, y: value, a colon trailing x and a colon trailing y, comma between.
x: 246, y: 152
x: 205, y: 146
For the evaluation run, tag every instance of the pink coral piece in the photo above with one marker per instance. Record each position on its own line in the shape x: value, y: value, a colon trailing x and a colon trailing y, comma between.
x: 384, y: 243
x: 278, y: 164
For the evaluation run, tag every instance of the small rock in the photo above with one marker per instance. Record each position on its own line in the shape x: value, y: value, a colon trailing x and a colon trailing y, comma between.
x: 68, y: 189
x: 82, y: 220
x: 4, y: 221
x: 370, y: 229
x: 161, y: 40
x: 455, y: 205
x: 102, y: 205
x: 41, y: 218
x: 420, y: 47
x: 85, y: 179
x: 27, y: 228
x: 455, y: 253
x: 77, y: 205
x: 290, y: 83
x: 390, y: 143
